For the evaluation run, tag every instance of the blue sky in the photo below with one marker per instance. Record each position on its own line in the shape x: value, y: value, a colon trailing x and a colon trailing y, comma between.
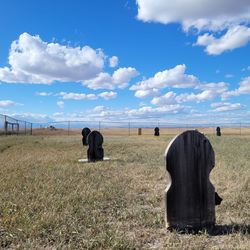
x: 125, y: 60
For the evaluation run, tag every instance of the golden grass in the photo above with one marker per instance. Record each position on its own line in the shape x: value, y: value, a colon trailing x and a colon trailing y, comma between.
x: 50, y: 201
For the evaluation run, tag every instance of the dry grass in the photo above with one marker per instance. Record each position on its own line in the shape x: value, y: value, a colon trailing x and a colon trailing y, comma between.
x: 50, y: 201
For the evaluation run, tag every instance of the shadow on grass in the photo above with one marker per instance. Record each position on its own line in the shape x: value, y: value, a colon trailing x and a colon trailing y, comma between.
x: 215, y: 230
x: 229, y: 229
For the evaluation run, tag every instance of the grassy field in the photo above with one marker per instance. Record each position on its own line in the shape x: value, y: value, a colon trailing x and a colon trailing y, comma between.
x: 50, y: 201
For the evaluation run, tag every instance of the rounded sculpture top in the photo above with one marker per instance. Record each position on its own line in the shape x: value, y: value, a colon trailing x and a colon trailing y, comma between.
x: 85, y: 133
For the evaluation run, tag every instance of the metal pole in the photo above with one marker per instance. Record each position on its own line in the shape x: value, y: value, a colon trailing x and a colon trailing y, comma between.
x: 31, y: 128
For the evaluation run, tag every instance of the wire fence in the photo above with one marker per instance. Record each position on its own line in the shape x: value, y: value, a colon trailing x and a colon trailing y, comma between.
x: 12, y: 126
x: 130, y: 128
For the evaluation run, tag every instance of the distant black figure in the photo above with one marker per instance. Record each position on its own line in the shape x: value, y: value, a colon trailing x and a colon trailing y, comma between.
x: 85, y: 133
x: 218, y: 133
x: 157, y: 131
x: 95, y: 151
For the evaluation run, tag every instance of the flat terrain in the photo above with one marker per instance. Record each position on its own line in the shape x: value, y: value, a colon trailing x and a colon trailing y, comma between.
x: 50, y: 201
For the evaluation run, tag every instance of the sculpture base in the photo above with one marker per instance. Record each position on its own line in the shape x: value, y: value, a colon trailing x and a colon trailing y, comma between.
x: 86, y: 160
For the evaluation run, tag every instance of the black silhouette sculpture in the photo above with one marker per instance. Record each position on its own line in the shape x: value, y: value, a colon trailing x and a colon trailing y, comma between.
x: 85, y: 133
x: 190, y: 197
x: 218, y: 133
x: 157, y: 131
x: 95, y: 151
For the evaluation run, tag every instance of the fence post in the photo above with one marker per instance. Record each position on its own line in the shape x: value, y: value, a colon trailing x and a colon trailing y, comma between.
x: 17, y: 127
x: 31, y: 128
x: 68, y: 127
x: 5, y: 125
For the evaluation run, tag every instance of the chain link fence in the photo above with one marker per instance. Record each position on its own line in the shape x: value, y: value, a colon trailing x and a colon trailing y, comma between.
x: 12, y: 126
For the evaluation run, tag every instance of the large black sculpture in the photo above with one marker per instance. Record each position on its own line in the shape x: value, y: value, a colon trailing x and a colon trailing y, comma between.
x: 85, y: 133
x: 157, y: 131
x: 95, y: 151
x: 190, y: 197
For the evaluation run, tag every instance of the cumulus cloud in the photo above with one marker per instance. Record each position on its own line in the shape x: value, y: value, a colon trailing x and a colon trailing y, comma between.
x: 35, y: 61
x: 120, y: 79
x: 244, y: 88
x: 174, y: 78
x: 60, y: 104
x: 199, y: 14
x: 6, y: 103
x: 203, y: 15
x: 210, y: 92
x: 235, y: 37
x: 113, y: 61
x: 225, y: 106
x: 31, y: 60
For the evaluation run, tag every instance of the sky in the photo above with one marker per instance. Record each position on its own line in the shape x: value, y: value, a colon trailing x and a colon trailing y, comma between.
x: 125, y: 60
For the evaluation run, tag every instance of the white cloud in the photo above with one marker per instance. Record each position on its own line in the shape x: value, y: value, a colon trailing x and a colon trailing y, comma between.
x: 175, y: 78
x: 203, y: 15
x: 244, y: 88
x: 235, y: 37
x: 147, y: 92
x: 60, y: 104
x: 44, y: 93
x: 35, y: 61
x: 210, y: 92
x: 168, y: 98
x: 108, y: 95
x: 98, y: 109
x: 77, y: 96
x: 120, y: 79
x: 149, y: 112
x: 6, y: 103
x: 225, y: 106
x: 31, y: 117
x: 113, y: 61
x: 206, y: 95
x: 82, y: 96
x: 199, y: 14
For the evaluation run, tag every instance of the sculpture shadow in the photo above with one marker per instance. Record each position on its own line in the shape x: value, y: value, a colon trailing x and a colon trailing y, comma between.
x: 229, y: 229
x: 216, y: 230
